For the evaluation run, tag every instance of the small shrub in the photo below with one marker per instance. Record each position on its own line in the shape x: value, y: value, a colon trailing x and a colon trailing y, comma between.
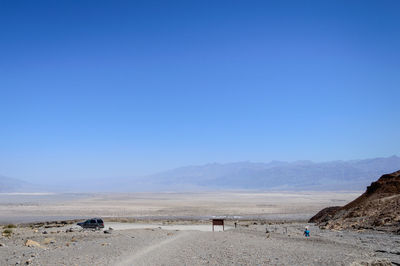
x: 10, y: 226
x: 7, y: 232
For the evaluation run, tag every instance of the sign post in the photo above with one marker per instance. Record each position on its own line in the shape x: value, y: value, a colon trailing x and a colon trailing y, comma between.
x: 218, y: 222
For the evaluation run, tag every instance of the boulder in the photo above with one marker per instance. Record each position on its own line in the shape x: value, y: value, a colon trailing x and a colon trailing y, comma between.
x: 31, y: 243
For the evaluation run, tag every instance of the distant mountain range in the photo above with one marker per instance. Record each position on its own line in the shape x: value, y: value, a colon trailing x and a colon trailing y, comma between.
x: 8, y: 184
x: 275, y: 175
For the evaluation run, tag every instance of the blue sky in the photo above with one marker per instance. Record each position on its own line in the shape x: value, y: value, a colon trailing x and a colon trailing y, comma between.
x: 124, y: 88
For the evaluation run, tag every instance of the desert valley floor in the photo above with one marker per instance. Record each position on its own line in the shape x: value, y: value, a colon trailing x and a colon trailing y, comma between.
x: 175, y: 229
x: 20, y: 207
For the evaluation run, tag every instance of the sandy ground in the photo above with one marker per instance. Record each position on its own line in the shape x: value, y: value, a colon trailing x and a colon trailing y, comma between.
x: 247, y: 244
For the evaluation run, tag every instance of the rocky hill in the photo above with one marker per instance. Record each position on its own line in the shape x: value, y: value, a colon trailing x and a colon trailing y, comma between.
x: 378, y: 208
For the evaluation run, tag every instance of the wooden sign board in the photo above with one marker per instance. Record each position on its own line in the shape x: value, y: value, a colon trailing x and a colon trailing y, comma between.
x: 218, y: 222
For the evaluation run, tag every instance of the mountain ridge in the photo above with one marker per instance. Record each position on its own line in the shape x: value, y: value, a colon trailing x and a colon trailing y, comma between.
x: 279, y: 175
x: 8, y: 185
x: 274, y: 175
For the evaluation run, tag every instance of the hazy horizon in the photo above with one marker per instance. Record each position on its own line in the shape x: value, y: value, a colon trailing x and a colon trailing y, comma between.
x: 300, y: 175
x: 230, y: 162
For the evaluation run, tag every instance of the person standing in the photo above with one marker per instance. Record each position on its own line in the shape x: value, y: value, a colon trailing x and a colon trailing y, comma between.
x: 306, y: 232
x: 267, y: 232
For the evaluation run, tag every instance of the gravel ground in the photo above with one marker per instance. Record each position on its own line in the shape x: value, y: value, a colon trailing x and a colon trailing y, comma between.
x: 245, y: 245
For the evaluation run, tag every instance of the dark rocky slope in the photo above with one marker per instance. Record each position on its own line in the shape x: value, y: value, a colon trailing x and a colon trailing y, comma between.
x: 378, y: 208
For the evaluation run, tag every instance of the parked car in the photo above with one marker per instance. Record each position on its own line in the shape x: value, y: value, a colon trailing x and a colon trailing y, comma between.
x: 95, y: 223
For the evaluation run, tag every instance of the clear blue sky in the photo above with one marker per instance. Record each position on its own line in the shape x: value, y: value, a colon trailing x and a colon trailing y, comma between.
x: 125, y: 88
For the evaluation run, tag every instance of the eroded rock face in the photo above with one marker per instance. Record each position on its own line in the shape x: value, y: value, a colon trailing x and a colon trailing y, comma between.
x: 324, y: 215
x: 377, y: 208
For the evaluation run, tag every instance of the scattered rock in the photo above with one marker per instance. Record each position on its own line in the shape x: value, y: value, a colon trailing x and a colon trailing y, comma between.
x: 2, y: 245
x: 49, y: 241
x: 384, y: 251
x: 44, y: 232
x: 373, y: 262
x: 107, y: 231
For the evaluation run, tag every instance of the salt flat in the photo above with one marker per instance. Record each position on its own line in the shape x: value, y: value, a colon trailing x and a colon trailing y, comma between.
x: 26, y: 207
